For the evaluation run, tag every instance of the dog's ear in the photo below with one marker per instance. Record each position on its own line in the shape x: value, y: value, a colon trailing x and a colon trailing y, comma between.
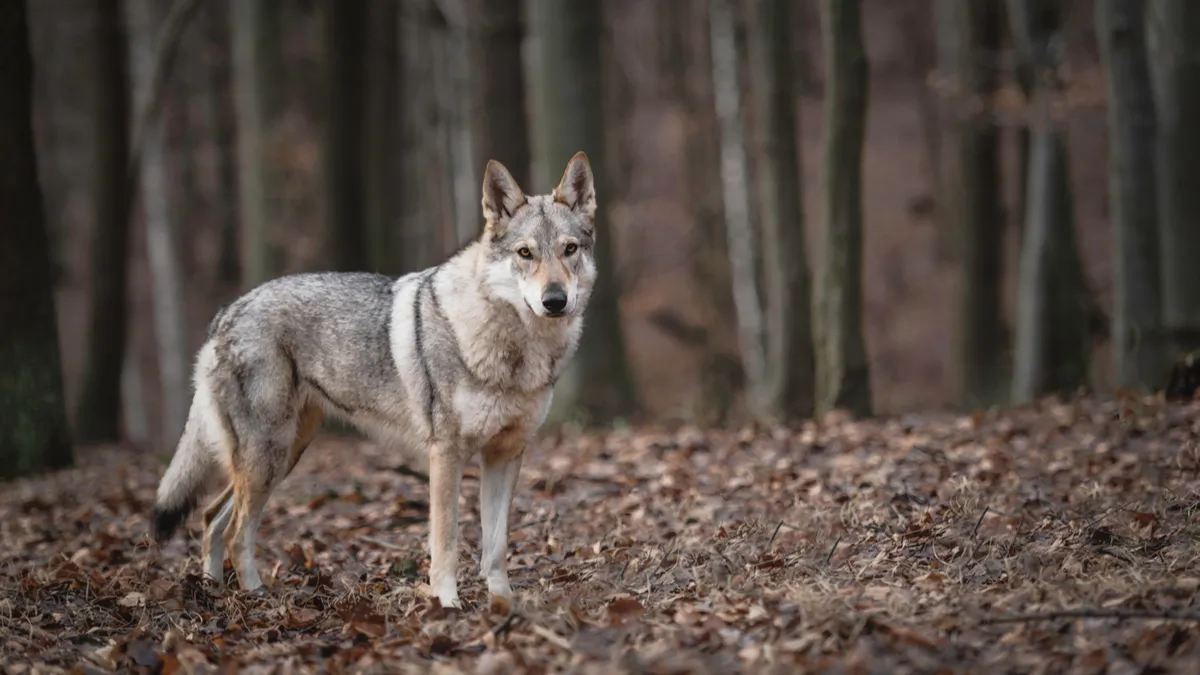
x: 501, y: 195
x: 577, y: 190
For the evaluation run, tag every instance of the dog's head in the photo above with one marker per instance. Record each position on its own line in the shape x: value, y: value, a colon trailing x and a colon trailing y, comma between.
x: 541, y: 248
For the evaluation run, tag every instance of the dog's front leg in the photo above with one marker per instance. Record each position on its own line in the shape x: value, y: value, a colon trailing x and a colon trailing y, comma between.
x: 445, y: 478
x: 500, y: 470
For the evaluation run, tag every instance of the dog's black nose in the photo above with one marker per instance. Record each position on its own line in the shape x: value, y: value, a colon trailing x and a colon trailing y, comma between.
x: 554, y: 299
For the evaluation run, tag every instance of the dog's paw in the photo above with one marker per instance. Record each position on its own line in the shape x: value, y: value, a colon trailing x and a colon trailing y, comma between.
x: 500, y: 588
x: 450, y: 601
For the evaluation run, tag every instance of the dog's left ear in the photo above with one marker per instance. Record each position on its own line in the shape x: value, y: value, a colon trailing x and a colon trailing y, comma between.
x: 577, y: 190
x: 501, y: 195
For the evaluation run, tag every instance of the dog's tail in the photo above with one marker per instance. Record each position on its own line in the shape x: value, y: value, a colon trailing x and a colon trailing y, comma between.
x: 192, y: 466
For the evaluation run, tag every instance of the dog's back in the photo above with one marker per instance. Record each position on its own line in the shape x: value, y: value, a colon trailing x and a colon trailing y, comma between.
x: 324, y: 332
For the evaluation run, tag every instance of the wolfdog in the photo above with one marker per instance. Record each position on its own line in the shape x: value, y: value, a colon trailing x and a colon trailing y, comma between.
x: 454, y: 360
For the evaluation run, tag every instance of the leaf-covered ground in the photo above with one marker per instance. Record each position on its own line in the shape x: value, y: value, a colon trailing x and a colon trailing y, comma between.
x: 1057, y: 538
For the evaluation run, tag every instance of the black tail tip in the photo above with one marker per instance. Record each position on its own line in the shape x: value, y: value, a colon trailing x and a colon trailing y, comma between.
x: 167, y: 520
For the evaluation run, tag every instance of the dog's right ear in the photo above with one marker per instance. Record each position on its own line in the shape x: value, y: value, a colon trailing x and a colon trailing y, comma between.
x: 501, y: 196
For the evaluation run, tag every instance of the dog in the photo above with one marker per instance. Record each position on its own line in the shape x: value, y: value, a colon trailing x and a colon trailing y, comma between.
x: 454, y: 360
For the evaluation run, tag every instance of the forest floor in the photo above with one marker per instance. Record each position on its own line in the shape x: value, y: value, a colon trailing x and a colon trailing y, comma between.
x: 1061, y: 537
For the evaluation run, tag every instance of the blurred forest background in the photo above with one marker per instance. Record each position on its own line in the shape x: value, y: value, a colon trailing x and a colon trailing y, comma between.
x: 871, y: 205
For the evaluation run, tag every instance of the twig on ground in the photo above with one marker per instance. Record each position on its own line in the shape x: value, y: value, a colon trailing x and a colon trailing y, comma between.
x: 776, y: 532
x: 383, y: 544
x: 833, y: 548
x: 975, y: 530
x: 552, y: 637
x: 504, y: 626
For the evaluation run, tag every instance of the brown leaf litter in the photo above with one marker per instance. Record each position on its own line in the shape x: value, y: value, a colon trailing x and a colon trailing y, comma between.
x: 1058, y: 537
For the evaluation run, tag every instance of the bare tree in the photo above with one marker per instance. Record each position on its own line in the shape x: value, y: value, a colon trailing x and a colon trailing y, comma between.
x: 426, y: 197
x: 969, y: 198
x: 598, y: 386
x: 1175, y: 71
x: 735, y: 188
x: 220, y: 98
x: 98, y: 412
x: 33, y: 422
x: 256, y: 44
x: 684, y: 38
x: 500, y: 80
x: 1138, y: 347
x: 343, y: 163
x: 381, y: 134
x: 1054, y: 305
x: 788, y: 382
x: 843, y: 380
x: 460, y: 102
x: 167, y: 293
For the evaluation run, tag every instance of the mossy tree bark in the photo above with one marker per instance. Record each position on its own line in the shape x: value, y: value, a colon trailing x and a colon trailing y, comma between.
x: 843, y: 379
x: 33, y: 421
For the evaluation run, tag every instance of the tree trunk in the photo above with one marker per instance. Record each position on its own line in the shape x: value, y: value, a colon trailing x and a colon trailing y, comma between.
x: 33, y: 421
x: 1054, y: 305
x: 788, y: 385
x: 950, y: 16
x: 735, y: 187
x: 598, y: 386
x: 425, y: 197
x: 1138, y: 347
x: 464, y: 175
x: 97, y: 418
x: 167, y: 295
x: 343, y: 166
x: 381, y: 137
x: 500, y: 80
x: 220, y: 99
x: 843, y: 380
x: 684, y: 31
x: 1175, y: 68
x: 970, y: 193
x: 256, y: 49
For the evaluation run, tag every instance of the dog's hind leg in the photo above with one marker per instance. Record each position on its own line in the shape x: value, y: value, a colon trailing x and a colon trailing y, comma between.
x: 252, y: 487
x: 216, y: 519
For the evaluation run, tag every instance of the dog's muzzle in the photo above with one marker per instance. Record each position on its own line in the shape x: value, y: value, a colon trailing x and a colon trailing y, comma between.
x: 554, y: 300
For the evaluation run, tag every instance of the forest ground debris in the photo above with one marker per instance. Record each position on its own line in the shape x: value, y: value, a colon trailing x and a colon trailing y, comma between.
x: 1060, y: 536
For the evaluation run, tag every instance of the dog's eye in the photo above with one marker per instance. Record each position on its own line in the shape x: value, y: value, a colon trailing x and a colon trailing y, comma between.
x: 571, y: 248
x: 524, y: 252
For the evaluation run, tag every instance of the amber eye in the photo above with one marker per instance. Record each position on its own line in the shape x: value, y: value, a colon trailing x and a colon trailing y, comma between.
x: 571, y: 248
x: 524, y: 252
